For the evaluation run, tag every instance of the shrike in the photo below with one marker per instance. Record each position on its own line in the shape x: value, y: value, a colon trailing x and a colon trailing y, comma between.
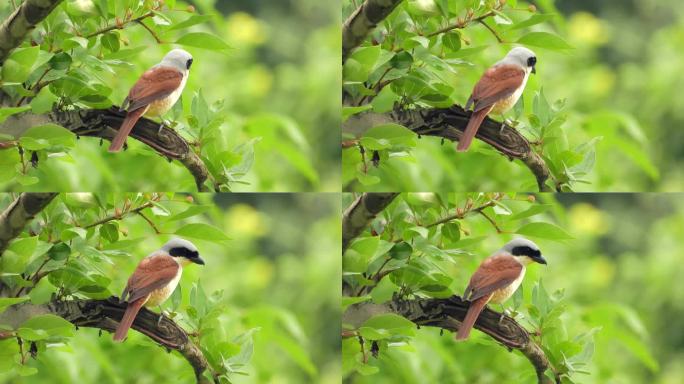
x: 497, y: 278
x: 498, y: 90
x: 155, y: 278
x: 154, y: 93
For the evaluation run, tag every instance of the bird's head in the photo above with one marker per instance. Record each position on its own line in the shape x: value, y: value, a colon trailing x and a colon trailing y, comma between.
x: 178, y: 58
x: 525, y: 250
x: 185, y: 251
x: 523, y: 57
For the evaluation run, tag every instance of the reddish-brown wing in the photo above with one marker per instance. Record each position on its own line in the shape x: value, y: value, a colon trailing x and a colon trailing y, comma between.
x: 494, y: 273
x: 155, y: 84
x: 497, y: 83
x: 152, y: 273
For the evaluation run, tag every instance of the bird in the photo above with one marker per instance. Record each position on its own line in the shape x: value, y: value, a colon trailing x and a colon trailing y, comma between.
x: 497, y: 278
x: 154, y: 280
x: 498, y: 90
x: 155, y: 92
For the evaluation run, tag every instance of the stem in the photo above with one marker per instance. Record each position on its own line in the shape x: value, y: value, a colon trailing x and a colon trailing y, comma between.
x: 156, y: 230
x: 122, y: 26
x: 496, y: 34
x: 121, y: 215
x: 151, y: 32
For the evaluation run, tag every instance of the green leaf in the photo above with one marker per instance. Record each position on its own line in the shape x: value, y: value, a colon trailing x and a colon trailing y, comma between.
x: 361, y: 63
x: 71, y: 233
x: 110, y: 41
x: 44, y: 326
x: 534, y: 210
x: 535, y: 19
x: 8, y: 301
x: 110, y: 232
x: 73, y: 42
x: 411, y: 232
x: 452, y: 40
x: 52, y: 135
x: 395, y: 134
x: 392, y: 323
x: 545, y: 40
x: 452, y: 231
x: 202, y: 231
x: 59, y: 251
x: 19, y: 65
x: 190, y: 21
x: 544, y: 231
x: 347, y: 301
x: 203, y: 40
x: 43, y: 102
x: 193, y: 210
x: 350, y: 111
x: 6, y: 112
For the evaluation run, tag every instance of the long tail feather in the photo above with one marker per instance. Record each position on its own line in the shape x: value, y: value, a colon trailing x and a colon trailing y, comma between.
x: 125, y: 129
x: 127, y: 319
x: 471, y: 129
x: 473, y: 313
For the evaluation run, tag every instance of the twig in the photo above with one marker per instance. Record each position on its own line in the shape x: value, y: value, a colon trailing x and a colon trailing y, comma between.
x: 156, y: 230
x: 122, y: 26
x: 461, y: 25
x: 151, y: 32
x: 121, y: 215
x: 35, y: 85
x: 495, y: 33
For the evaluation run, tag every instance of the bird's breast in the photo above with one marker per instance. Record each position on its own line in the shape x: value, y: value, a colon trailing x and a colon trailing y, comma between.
x: 503, y: 294
x: 161, y: 106
x: 160, y: 295
x: 504, y: 105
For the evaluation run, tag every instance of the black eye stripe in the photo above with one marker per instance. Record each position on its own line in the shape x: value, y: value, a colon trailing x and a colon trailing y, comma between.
x: 531, y: 61
x: 183, y: 252
x: 189, y: 63
x: 525, y: 251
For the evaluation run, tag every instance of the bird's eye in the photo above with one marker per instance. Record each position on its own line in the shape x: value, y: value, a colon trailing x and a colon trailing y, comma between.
x: 189, y: 63
x: 531, y: 61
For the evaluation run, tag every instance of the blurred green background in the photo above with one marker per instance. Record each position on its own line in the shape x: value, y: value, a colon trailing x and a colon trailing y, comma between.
x: 621, y: 276
x: 276, y: 84
x: 278, y: 273
x: 620, y: 83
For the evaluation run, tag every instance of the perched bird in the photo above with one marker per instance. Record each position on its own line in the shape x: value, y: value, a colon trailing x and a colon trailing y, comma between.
x: 154, y: 93
x: 497, y: 278
x: 498, y: 90
x: 155, y: 278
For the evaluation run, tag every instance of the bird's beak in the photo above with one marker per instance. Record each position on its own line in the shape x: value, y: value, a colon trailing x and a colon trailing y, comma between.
x: 540, y: 259
x: 534, y: 70
x: 199, y: 260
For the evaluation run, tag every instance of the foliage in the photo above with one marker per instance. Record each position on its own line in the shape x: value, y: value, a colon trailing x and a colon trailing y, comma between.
x: 235, y: 108
x: 431, y: 53
x: 428, y: 245
x: 240, y: 307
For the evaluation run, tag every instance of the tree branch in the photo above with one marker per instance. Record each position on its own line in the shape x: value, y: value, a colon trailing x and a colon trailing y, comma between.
x: 104, y: 123
x: 449, y: 123
x: 363, y: 20
x: 19, y: 213
x: 22, y: 21
x: 106, y: 314
x: 361, y: 212
x: 448, y: 314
